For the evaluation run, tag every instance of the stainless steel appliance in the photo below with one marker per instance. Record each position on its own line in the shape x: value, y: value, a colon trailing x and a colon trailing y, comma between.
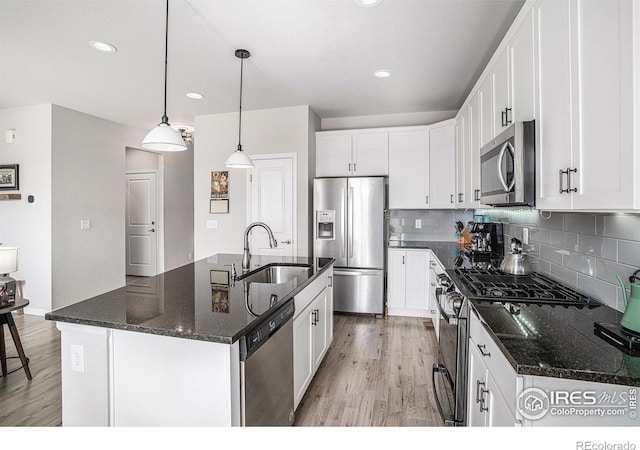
x: 266, y: 371
x: 487, y: 244
x: 507, y: 165
x: 349, y: 225
x: 449, y: 374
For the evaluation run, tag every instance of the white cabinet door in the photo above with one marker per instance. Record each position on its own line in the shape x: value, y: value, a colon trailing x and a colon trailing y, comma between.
x: 442, y: 166
x: 370, y: 154
x: 461, y: 157
x: 473, y: 171
x: 333, y: 155
x: 320, y: 324
x: 486, y: 110
x: 409, y: 170
x: 477, y: 376
x: 396, y: 275
x: 302, y: 357
x: 499, y: 414
x: 417, y: 280
x: 522, y: 70
x: 603, y: 43
x: 553, y: 103
x: 502, y: 113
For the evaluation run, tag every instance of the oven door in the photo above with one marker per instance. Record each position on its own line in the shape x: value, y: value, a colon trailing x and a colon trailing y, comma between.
x: 448, y: 385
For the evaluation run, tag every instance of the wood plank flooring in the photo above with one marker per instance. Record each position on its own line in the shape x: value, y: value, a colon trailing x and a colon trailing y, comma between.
x: 376, y: 373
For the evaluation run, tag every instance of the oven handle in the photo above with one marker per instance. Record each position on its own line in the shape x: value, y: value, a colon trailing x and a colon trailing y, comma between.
x: 439, y: 368
x: 505, y: 147
x: 450, y: 320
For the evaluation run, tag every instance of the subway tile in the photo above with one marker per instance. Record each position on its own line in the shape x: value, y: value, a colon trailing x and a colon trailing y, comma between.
x: 622, y: 226
x: 629, y: 253
x: 551, y: 254
x: 606, y: 248
x: 554, y: 222
x: 541, y: 266
x: 608, y: 270
x: 601, y: 290
x: 580, y: 223
x: 580, y: 263
x: 563, y: 274
x: 567, y: 241
x: 540, y: 235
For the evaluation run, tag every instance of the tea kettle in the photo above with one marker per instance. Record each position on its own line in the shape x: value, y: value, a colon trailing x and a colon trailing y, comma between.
x: 630, y: 321
x: 516, y: 262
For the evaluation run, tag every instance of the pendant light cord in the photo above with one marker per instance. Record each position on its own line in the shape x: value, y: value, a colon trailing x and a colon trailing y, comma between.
x: 240, y: 111
x: 165, y: 119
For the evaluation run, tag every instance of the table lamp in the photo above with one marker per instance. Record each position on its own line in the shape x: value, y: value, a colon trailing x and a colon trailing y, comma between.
x: 8, y: 264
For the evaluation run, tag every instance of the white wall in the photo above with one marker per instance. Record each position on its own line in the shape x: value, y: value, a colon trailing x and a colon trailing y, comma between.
x: 28, y: 225
x: 88, y: 166
x: 281, y: 130
x: 387, y: 120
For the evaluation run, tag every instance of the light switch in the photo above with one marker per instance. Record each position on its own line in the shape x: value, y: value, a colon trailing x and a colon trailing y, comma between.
x: 10, y: 136
x: 212, y: 224
x: 418, y: 223
x: 85, y: 224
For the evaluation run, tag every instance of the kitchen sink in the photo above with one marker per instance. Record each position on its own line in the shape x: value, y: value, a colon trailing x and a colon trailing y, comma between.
x: 276, y: 274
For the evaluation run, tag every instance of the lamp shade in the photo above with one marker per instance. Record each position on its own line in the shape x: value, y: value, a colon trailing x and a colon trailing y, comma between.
x: 8, y: 260
x: 239, y: 160
x: 163, y: 138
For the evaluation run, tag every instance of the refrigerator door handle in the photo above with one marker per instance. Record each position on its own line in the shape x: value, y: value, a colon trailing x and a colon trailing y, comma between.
x: 343, y: 247
x: 350, y: 208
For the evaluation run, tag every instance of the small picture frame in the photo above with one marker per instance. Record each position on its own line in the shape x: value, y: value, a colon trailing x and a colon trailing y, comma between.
x: 9, y: 177
x: 219, y: 299
x: 219, y: 206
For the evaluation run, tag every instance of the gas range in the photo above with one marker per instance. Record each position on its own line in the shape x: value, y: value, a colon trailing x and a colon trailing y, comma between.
x: 496, y: 286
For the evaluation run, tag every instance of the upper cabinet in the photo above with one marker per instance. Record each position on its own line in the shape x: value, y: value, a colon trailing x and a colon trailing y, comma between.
x: 352, y: 153
x: 442, y: 163
x: 585, y: 94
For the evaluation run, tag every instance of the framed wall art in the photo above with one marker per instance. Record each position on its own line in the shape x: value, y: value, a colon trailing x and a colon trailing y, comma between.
x: 9, y: 177
x: 219, y: 203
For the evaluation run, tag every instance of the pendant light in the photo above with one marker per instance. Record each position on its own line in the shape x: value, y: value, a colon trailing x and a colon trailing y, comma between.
x: 239, y: 159
x: 163, y: 138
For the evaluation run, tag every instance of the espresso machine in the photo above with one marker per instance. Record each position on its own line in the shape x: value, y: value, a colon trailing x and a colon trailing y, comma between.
x: 487, y: 244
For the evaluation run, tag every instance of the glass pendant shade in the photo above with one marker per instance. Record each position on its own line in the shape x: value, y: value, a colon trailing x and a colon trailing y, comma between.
x: 8, y: 260
x: 239, y: 160
x: 163, y: 138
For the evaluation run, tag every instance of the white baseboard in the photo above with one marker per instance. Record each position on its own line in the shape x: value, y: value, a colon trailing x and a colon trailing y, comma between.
x: 35, y: 311
x: 410, y: 312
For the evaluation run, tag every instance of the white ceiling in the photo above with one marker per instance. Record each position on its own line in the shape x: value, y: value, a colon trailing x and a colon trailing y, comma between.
x: 316, y: 52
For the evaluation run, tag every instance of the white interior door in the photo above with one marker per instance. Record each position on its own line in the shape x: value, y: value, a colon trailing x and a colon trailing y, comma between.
x: 271, y: 199
x: 141, y: 224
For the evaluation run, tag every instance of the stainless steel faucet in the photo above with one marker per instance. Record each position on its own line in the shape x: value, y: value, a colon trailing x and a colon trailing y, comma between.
x: 246, y: 257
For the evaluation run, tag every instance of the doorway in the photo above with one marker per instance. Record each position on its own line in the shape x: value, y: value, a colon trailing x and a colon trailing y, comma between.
x: 271, y: 198
x: 141, y: 222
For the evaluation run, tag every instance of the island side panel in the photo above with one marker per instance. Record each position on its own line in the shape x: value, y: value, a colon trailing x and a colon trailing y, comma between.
x: 85, y: 375
x: 166, y: 381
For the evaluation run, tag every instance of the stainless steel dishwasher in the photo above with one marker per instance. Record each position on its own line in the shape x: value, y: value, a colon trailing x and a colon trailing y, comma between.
x: 266, y: 371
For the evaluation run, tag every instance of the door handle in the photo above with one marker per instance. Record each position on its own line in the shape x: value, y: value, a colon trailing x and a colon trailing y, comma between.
x: 483, y: 350
x: 153, y: 230
x: 460, y: 198
x: 288, y: 241
x: 349, y: 167
x: 507, y: 121
x: 451, y: 198
x: 507, y: 147
x: 350, y: 231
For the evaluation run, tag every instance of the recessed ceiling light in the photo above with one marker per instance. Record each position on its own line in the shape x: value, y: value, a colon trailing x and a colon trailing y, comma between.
x: 103, y: 47
x: 382, y: 73
x: 368, y: 3
x: 194, y: 95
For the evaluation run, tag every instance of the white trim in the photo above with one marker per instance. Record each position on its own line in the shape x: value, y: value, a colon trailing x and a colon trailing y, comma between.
x: 294, y: 156
x: 35, y: 311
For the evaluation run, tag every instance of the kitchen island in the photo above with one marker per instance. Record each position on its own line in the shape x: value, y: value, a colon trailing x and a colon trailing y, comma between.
x: 166, y: 350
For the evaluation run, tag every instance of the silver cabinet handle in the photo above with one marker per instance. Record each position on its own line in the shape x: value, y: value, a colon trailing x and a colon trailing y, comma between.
x: 426, y: 199
x: 507, y: 121
x: 460, y: 198
x: 568, y: 173
x: 354, y: 167
x: 560, y: 173
x: 330, y: 281
x: 483, y: 349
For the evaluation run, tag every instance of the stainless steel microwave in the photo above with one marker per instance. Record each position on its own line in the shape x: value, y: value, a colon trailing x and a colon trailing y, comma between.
x: 507, y: 167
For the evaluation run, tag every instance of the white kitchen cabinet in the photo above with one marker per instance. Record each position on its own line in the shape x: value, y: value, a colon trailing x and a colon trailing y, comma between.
x: 409, y: 169
x: 352, y: 153
x: 462, y: 146
x: 586, y: 157
x: 442, y: 165
x: 522, y: 71
x: 502, y: 111
x: 312, y: 333
x: 408, y: 283
x: 472, y: 173
x: 436, y: 269
x: 485, y: 92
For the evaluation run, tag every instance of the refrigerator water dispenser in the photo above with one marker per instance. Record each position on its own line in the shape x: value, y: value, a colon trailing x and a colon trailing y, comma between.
x: 325, y: 223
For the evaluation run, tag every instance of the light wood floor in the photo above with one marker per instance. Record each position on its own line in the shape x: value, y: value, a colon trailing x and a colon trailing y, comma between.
x: 376, y: 373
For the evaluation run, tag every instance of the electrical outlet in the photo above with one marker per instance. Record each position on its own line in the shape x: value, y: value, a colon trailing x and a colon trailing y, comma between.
x: 418, y: 223
x: 77, y: 358
x: 212, y: 224
x: 85, y: 224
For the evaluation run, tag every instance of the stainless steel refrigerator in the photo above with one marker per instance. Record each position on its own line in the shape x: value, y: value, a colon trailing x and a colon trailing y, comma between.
x: 349, y: 225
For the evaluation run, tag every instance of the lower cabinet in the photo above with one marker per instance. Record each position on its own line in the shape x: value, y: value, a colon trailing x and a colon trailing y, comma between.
x: 408, y: 288
x: 312, y: 335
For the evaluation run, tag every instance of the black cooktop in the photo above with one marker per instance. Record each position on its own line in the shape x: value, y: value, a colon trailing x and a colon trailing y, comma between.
x: 493, y: 285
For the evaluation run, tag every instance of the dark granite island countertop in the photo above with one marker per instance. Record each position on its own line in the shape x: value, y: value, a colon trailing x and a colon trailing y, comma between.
x: 197, y: 301
x: 559, y: 342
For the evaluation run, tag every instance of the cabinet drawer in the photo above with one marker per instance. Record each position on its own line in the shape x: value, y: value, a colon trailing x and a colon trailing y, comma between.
x: 304, y: 298
x: 497, y: 364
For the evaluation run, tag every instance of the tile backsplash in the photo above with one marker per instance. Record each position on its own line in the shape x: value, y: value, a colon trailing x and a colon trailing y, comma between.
x: 437, y: 224
x: 583, y: 250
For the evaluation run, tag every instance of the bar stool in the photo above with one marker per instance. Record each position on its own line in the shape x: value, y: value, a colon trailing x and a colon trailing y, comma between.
x: 6, y: 318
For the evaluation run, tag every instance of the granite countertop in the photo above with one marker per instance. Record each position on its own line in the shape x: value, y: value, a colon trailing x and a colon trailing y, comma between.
x: 559, y: 342
x: 444, y: 250
x: 197, y: 301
